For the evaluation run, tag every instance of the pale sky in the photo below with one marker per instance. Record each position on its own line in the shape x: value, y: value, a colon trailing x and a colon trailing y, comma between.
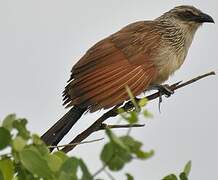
x: 41, y: 40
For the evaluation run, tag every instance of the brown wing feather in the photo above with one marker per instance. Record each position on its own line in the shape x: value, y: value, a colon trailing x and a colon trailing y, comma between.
x: 115, y: 85
x: 102, y: 87
x: 99, y: 79
x: 99, y: 74
x: 136, y: 88
x: 94, y: 60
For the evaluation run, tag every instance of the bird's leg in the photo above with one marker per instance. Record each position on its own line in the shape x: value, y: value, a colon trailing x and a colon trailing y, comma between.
x: 163, y: 90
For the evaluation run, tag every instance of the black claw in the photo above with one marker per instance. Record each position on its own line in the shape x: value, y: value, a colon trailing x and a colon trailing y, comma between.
x: 160, y: 101
x: 163, y: 90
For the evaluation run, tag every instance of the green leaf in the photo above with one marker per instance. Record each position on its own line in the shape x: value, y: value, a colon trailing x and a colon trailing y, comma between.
x: 61, y: 155
x: 6, y: 168
x: 116, y: 140
x: 120, y: 110
x: 86, y: 174
x: 70, y: 167
x: 187, y: 168
x: 37, y: 140
x: 115, y: 156
x: 5, y: 138
x: 54, y: 162
x: 132, y: 98
x: 35, y: 163
x: 133, y: 117
x: 22, y: 173
x: 18, y: 143
x: 133, y: 144
x: 144, y: 155
x: 20, y: 125
x: 130, y: 117
x: 42, y: 149
x: 170, y: 177
x: 129, y: 176
x: 1, y: 175
x: 65, y: 176
x: 115, y: 153
x: 135, y: 147
x: 147, y: 114
x: 142, y: 102
x: 40, y: 145
x: 119, y: 160
x: 107, y: 152
x: 183, y: 176
x: 8, y: 121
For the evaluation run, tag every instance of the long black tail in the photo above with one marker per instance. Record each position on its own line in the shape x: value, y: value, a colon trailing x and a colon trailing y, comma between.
x: 56, y: 133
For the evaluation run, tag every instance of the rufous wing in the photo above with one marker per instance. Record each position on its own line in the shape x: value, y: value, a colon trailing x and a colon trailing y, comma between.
x: 100, y: 78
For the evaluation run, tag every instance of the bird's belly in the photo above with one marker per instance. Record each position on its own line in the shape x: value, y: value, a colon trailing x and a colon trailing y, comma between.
x: 167, y: 66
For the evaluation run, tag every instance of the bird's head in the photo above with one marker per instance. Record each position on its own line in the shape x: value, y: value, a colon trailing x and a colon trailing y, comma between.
x: 178, y: 26
x: 188, y: 16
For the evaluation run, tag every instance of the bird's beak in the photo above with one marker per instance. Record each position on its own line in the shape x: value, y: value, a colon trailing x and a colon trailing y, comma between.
x: 203, y: 18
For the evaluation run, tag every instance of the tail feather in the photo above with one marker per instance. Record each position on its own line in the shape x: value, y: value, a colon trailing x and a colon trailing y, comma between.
x: 56, y: 133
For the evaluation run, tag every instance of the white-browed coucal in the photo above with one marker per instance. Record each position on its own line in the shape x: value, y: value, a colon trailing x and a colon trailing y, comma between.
x: 140, y: 55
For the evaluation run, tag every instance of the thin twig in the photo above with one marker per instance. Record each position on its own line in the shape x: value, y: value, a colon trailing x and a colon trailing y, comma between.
x: 103, y: 168
x: 105, y: 126
x: 100, y: 170
x: 73, y: 144
x: 113, y: 112
x: 109, y: 175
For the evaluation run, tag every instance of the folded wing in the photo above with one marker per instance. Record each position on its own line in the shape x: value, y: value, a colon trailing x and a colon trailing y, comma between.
x: 100, y: 78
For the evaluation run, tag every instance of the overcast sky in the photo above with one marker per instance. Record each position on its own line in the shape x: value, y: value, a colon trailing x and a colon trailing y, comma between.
x: 40, y: 40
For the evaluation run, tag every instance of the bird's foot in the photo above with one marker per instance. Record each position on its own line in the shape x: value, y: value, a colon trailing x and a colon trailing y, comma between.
x: 163, y: 90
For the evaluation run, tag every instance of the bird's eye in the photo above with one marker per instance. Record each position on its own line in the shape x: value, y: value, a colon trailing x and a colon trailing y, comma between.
x: 186, y: 15
x: 189, y: 14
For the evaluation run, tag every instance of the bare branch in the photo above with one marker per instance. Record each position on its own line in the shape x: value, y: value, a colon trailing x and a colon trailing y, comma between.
x: 105, y: 126
x: 129, y: 105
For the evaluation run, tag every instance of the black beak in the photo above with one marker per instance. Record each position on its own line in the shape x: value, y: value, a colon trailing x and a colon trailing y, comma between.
x: 205, y: 18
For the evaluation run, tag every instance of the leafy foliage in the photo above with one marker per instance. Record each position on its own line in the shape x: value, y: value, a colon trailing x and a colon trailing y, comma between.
x: 182, y: 176
x: 28, y: 158
x: 129, y: 176
x: 5, y: 138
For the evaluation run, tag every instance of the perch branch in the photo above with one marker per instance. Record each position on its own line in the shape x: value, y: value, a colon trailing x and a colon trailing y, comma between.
x: 113, y: 112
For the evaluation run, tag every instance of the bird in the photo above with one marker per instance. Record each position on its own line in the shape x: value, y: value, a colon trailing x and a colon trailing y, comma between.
x: 141, y: 55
